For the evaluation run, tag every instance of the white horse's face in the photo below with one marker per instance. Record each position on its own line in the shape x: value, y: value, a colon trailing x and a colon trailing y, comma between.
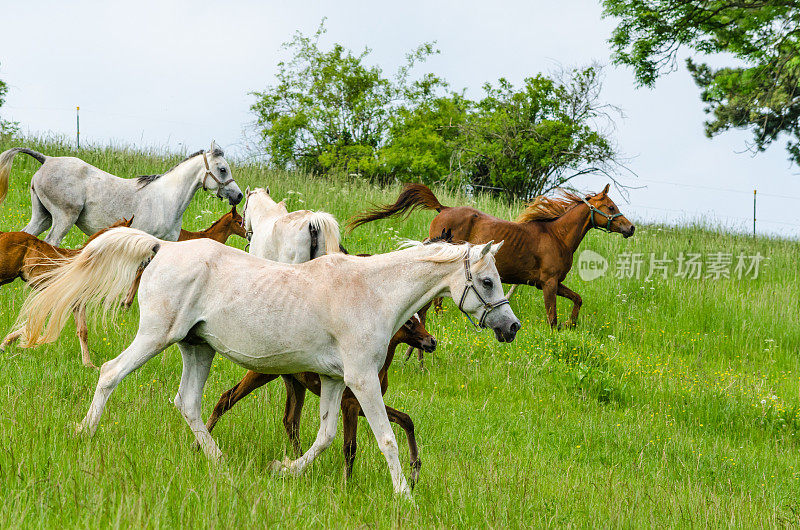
x: 220, y: 180
x: 486, y: 285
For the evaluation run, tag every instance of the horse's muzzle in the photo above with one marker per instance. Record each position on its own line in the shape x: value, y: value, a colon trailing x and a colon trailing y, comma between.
x: 629, y: 232
x: 236, y: 199
x: 507, y: 333
x: 428, y: 344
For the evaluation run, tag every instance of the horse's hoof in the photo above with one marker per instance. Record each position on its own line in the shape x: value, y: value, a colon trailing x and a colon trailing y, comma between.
x: 282, y: 468
x: 415, y: 467
x: 405, y: 496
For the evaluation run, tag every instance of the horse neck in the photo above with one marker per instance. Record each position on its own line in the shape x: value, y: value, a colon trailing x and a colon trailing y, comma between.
x: 260, y: 212
x: 413, y: 282
x: 393, y: 344
x: 572, y: 227
x: 221, y: 230
x: 175, y: 189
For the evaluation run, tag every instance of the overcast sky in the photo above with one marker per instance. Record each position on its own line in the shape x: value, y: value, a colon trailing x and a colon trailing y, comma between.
x: 177, y: 73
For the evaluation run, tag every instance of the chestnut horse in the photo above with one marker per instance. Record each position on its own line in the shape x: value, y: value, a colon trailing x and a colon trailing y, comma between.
x: 229, y: 224
x: 27, y: 257
x: 539, y: 245
x: 412, y: 333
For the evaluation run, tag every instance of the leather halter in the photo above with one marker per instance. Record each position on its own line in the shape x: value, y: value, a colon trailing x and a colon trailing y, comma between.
x: 487, y: 307
x: 248, y: 234
x: 220, y: 184
x: 593, y: 210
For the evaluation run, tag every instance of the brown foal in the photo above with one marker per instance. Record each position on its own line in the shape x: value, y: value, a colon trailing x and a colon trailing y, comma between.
x: 27, y: 257
x: 539, y: 245
x: 229, y: 224
x: 412, y: 333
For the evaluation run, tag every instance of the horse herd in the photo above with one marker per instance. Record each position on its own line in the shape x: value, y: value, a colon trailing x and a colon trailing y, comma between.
x: 306, y: 310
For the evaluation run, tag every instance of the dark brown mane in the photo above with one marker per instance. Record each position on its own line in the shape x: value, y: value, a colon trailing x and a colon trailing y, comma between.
x: 549, y: 208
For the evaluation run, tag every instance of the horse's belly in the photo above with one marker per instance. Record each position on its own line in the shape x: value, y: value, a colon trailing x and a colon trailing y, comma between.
x: 275, y: 354
x: 287, y: 363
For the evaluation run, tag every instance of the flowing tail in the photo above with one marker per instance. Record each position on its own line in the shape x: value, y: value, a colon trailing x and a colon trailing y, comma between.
x: 7, y: 159
x: 325, y: 224
x: 412, y: 197
x: 100, y: 274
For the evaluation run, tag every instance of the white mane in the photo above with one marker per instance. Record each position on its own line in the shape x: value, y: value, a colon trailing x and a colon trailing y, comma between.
x: 443, y: 252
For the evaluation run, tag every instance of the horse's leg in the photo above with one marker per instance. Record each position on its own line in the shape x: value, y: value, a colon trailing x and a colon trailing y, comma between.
x: 196, y: 366
x: 550, y: 288
x: 40, y: 217
x: 404, y: 420
x: 82, y: 330
x: 12, y: 337
x: 438, y: 305
x: 350, y: 410
x: 566, y: 292
x: 295, y: 398
x: 142, y: 349
x: 511, y: 291
x: 367, y: 389
x: 62, y: 222
x: 128, y: 302
x: 330, y: 398
x: 228, y: 399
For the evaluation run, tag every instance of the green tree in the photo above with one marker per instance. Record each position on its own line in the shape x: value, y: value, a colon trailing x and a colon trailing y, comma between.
x: 761, y: 94
x: 422, y: 138
x: 7, y: 128
x: 329, y: 110
x: 529, y: 141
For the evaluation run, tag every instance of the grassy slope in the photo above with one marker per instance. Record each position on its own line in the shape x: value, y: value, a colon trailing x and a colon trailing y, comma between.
x: 674, y: 402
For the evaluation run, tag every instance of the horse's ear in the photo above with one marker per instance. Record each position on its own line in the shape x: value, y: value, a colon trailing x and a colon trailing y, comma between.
x: 496, y: 247
x: 129, y: 222
x: 486, y: 248
x: 247, y: 191
x: 213, y: 146
x: 605, y: 190
x: 267, y: 190
x: 448, y: 236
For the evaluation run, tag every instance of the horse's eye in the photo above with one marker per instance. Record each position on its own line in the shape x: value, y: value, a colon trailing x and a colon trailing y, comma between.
x: 487, y: 282
x: 222, y: 170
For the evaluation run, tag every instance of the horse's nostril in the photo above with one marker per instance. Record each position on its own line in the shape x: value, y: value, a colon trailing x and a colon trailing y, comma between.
x: 515, y: 327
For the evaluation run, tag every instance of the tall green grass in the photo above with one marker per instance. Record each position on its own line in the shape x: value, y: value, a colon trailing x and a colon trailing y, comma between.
x: 674, y: 402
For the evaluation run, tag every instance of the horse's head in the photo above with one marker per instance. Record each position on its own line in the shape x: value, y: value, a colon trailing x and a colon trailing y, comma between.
x: 217, y: 177
x: 479, y: 292
x: 605, y: 214
x: 236, y: 223
x: 415, y: 335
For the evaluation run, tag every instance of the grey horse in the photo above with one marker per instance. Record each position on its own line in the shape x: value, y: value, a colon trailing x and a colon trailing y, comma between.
x: 67, y: 191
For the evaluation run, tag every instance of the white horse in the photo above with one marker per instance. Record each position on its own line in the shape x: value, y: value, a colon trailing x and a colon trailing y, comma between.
x: 67, y: 191
x: 333, y: 316
x: 295, y: 237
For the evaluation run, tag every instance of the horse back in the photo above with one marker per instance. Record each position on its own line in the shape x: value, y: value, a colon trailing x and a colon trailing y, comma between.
x: 520, y: 256
x: 25, y: 256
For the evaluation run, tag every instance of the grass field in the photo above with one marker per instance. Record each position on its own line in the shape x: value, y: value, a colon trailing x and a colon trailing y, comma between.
x: 674, y: 402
